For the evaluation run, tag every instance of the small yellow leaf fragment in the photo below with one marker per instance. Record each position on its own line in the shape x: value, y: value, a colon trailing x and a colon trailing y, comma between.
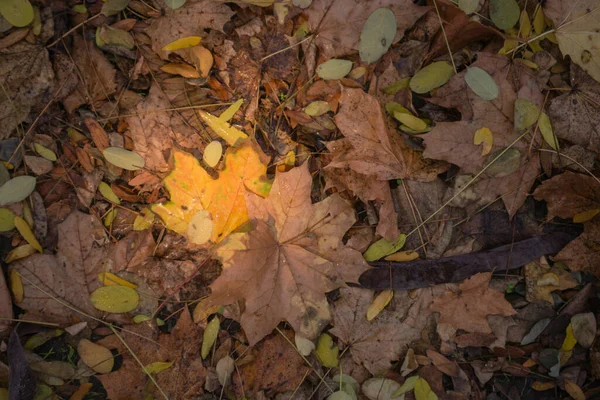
x: 540, y: 386
x: 16, y: 286
x: 158, y: 366
x: 138, y: 319
x: 183, y: 43
x: 585, y: 216
x: 44, y: 152
x: 574, y: 390
x: 231, y: 110
x: 27, y: 234
x: 115, y: 299
x: 20, y: 252
x: 226, y: 132
x: 187, y: 71
x: 107, y: 192
x: 97, y: 357
x: 210, y: 336
x: 407, y: 386
x: 288, y: 162
x: 326, y: 351
x: 423, y: 390
x: 411, y: 121
x: 110, y: 279
x: 379, y: 303
x: 570, y: 341
x: 539, y: 22
x: 484, y: 136
x: 200, y: 227
x: 144, y: 220
x: 403, y: 256
x: 212, y: 153
x: 74, y: 135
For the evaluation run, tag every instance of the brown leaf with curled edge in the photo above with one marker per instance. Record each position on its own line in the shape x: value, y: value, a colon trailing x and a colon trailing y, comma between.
x: 69, y: 276
x: 583, y: 253
x: 568, y: 194
x: 339, y: 24
x: 375, y: 344
x: 292, y: 257
x: 575, y: 115
x: 469, y: 306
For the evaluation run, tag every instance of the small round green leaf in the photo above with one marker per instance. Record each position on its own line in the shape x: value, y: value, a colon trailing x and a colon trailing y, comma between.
x: 7, y: 220
x: 115, y: 299
x: 16, y: 189
x: 432, y: 76
x: 17, y: 12
x: 504, y: 13
x: 122, y: 158
x: 377, y: 35
x: 526, y: 114
x: 468, y: 6
x: 106, y: 191
x: 481, y: 83
x: 334, y: 69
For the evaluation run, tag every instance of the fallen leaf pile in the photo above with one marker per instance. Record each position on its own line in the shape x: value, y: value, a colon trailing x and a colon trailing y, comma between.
x: 329, y: 199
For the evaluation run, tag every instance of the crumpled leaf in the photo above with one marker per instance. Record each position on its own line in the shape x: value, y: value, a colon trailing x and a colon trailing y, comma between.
x: 537, y: 289
x: 375, y: 344
x: 469, y: 307
x: 293, y: 254
x: 193, y: 190
x: 577, y: 31
x: 584, y: 328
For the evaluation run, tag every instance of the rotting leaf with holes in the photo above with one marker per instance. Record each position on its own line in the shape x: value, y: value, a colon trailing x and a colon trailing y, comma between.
x: 294, y: 255
x: 193, y: 190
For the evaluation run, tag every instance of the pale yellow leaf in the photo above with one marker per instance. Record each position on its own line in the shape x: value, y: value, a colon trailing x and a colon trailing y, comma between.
x: 225, y: 131
x: 110, y: 279
x: 524, y: 25
x: 539, y: 22
x: 231, y: 110
x: 411, y: 121
x: 110, y: 217
x: 183, y: 43
x: 185, y: 70
x: 212, y: 153
x: 327, y: 351
x: 20, y: 252
x: 158, y: 366
x: 200, y: 227
x: 44, y: 152
x: 484, y: 136
x: 379, y: 303
x: 27, y: 234
x: 16, y: 286
x: 403, y: 256
x: 144, y: 220
x: 570, y: 341
x: 210, y: 336
x: 107, y: 192
x: 115, y: 299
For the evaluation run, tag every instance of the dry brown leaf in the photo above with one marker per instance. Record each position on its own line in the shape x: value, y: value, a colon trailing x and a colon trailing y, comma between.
x: 468, y: 307
x: 98, y: 133
x: 575, y: 115
x: 377, y: 343
x: 539, y: 288
x: 294, y: 255
x: 583, y: 253
x: 339, y: 26
x: 446, y: 366
x: 6, y: 311
x: 70, y: 276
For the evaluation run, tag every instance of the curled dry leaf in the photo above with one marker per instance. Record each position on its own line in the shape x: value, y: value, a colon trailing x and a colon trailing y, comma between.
x: 294, y: 255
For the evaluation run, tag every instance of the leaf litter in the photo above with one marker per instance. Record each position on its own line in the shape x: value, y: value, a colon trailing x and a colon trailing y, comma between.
x: 357, y: 198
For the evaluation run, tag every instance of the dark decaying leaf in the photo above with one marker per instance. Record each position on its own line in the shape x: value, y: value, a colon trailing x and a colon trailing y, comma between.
x: 22, y: 382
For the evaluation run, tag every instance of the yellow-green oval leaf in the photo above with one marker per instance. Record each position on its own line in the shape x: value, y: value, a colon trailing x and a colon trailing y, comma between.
x: 481, y: 83
x: 504, y: 13
x: 431, y: 77
x: 317, y: 108
x: 468, y: 6
x: 44, y: 152
x: 144, y: 220
x: 20, y: 252
x: 97, y: 357
x: 547, y: 133
x: 379, y: 303
x: 107, y: 192
x: 115, y: 299
x: 110, y: 279
x: 334, y: 69
x: 212, y: 153
x: 231, y: 110
x: 17, y: 189
x: 158, y: 366
x: 25, y: 231
x: 17, y: 12
x: 526, y: 114
x: 411, y: 121
x: 122, y: 158
x: 423, y: 390
x: 377, y: 35
x: 384, y: 247
x: 210, y: 336
x: 183, y: 43
x: 7, y: 220
x: 326, y: 351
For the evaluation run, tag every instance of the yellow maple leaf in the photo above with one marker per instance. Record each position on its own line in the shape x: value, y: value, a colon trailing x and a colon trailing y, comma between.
x: 192, y: 190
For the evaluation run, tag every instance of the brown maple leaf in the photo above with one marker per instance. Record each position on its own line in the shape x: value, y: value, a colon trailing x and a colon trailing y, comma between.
x: 375, y: 344
x: 469, y: 306
x: 293, y: 256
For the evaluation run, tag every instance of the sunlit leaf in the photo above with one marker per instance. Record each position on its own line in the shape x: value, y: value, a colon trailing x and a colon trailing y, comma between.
x: 481, y: 83
x: 7, y: 220
x: 384, y: 247
x: 231, y: 110
x: 379, y: 303
x: 327, y: 351
x: 484, y: 136
x: 115, y: 299
x: 16, y: 189
x: 25, y: 231
x: 225, y: 131
x: 210, y: 336
x: 122, y: 158
x: 432, y: 76
x: 18, y: 13
x: 504, y: 13
x: 212, y: 153
x: 377, y: 35
x: 97, y: 357
x: 334, y: 69
x: 110, y: 279
x: 200, y: 228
